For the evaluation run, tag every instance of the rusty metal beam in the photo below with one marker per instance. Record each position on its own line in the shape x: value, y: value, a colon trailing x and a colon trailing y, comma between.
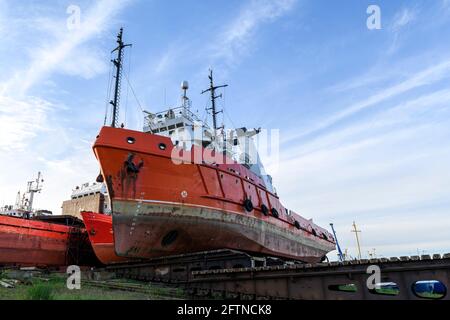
x: 232, y: 274
x: 315, y: 282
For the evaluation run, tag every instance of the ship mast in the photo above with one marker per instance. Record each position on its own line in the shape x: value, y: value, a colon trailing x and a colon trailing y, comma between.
x: 117, y: 88
x: 212, y: 89
x: 33, y: 187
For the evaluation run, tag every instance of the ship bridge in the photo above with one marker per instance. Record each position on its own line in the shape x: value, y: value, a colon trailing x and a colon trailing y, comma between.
x: 179, y: 124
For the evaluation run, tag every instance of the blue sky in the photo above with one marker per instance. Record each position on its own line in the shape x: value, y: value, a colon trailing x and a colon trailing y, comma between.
x: 364, y: 115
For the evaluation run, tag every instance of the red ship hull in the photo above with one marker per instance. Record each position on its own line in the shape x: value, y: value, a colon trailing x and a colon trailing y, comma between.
x: 100, y: 230
x: 36, y: 243
x: 161, y: 208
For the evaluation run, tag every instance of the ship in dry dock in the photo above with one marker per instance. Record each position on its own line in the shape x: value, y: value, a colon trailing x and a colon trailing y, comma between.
x: 90, y: 202
x: 30, y: 237
x: 166, y: 202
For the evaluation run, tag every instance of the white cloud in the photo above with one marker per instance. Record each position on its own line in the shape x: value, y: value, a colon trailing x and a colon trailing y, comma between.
x: 33, y: 137
x: 24, y: 117
x: 389, y: 176
x: 230, y: 45
x: 235, y: 39
x: 400, y: 114
x: 401, y: 21
x: 60, y: 176
x: 372, y: 149
x: 390, y: 173
x: 87, y: 62
x: 63, y: 175
x: 401, y: 234
x: 403, y: 18
x: 21, y: 120
x: 422, y: 78
x: 50, y: 58
x: 3, y: 9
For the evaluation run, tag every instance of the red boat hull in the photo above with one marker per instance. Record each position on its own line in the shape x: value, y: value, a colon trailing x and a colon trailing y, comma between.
x: 34, y: 243
x: 100, y: 231
x: 161, y: 208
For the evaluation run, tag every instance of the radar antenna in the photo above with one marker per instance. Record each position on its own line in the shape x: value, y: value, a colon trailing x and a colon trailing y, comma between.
x: 117, y: 89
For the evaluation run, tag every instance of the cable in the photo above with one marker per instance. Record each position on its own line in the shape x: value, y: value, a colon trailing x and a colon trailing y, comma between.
x: 134, y: 94
x: 229, y: 118
x: 108, y: 93
x: 128, y: 87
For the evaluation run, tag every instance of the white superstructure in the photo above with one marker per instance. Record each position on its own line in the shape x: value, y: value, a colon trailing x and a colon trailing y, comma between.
x: 186, y: 130
x: 23, y: 207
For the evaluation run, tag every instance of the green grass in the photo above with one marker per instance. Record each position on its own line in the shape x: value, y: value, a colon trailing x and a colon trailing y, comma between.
x: 54, y: 288
x: 40, y: 291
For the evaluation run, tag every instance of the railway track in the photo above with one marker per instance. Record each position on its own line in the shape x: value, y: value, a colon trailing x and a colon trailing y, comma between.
x: 154, y: 290
x: 235, y: 275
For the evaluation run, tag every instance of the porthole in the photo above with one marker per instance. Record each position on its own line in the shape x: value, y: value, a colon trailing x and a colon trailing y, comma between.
x: 265, y: 210
x: 248, y: 205
x: 131, y: 140
x: 275, y: 213
x: 162, y: 146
